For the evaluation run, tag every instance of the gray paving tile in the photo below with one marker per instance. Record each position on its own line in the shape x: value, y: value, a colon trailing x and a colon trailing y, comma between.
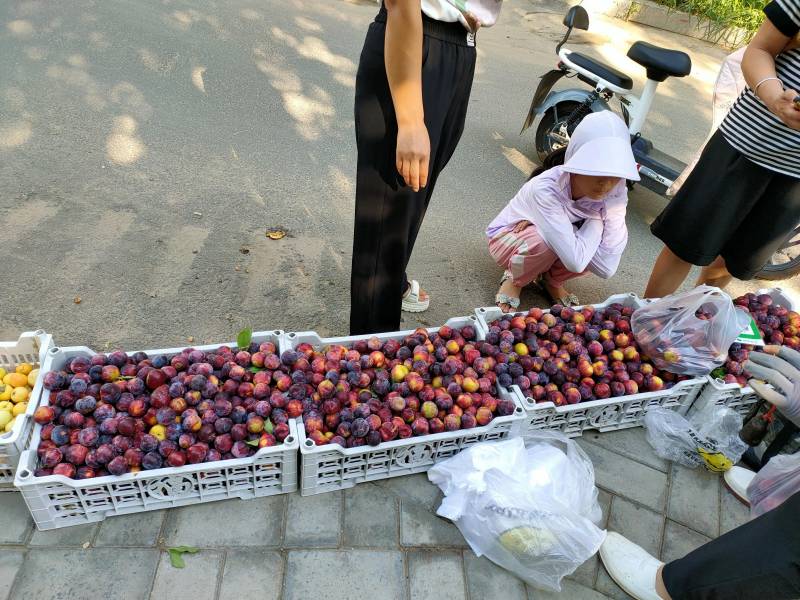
x: 313, y: 521
x: 339, y: 575
x: 419, y: 526
x: 631, y: 443
x: 606, y: 586
x: 93, y: 573
x: 679, y: 541
x: 694, y: 499
x: 732, y: 512
x: 252, y: 573
x: 626, y: 477
x: 570, y: 590
x: 256, y: 522
x: 604, y: 500
x: 640, y: 525
x: 77, y: 535
x: 414, y: 487
x: 487, y: 580
x: 139, y: 529
x: 10, y: 562
x: 586, y: 574
x: 15, y: 520
x: 198, y: 579
x: 436, y: 576
x: 370, y: 517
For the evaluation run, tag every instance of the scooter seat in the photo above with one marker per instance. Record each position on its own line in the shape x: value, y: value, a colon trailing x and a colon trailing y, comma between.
x: 660, y: 62
x: 602, y: 70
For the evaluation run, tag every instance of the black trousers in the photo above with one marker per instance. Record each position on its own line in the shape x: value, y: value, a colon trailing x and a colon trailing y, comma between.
x: 388, y: 213
x: 758, y: 561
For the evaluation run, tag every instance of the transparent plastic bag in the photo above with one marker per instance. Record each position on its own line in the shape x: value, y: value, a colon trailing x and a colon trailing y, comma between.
x: 774, y: 483
x: 532, y: 511
x: 710, y: 437
x: 689, y: 333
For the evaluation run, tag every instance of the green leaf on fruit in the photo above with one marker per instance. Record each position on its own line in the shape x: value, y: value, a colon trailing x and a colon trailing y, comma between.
x: 244, y: 338
x: 175, y: 555
x: 253, y: 443
x: 268, y: 426
x: 256, y: 369
x: 718, y: 373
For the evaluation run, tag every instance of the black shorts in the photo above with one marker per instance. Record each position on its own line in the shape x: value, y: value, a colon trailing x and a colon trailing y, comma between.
x: 730, y: 207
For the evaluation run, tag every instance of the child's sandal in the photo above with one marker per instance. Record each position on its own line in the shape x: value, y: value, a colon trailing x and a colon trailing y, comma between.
x: 412, y: 301
x: 501, y: 298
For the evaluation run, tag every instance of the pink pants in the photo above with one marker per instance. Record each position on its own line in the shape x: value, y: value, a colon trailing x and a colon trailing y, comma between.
x: 526, y: 256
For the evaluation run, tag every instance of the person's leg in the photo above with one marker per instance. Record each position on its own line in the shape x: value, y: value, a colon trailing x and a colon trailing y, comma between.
x: 668, y: 274
x: 716, y: 274
x: 556, y: 277
x: 760, y: 559
x: 386, y: 209
x: 765, y: 227
x: 705, y: 214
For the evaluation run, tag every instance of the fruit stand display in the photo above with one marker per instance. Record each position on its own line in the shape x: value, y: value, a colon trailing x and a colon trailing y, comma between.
x: 125, y: 433
x: 393, y: 404
x: 580, y: 368
x: 727, y: 386
x: 20, y: 389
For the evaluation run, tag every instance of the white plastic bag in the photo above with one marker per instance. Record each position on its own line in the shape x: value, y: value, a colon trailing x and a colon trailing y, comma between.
x: 532, y: 511
x: 689, y: 333
x: 774, y: 483
x: 710, y: 437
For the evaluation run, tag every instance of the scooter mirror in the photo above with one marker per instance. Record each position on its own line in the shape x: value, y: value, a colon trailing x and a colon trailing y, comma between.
x: 577, y: 17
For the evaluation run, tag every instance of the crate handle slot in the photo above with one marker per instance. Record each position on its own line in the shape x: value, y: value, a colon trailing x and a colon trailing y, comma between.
x: 24, y: 473
x: 289, y: 440
x: 309, y: 443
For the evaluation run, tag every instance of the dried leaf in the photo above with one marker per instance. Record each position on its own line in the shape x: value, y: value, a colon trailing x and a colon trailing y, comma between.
x: 77, y: 300
x: 244, y: 250
x: 190, y: 339
x: 276, y: 233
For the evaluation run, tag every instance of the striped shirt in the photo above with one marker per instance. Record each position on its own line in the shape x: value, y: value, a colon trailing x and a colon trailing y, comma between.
x: 750, y: 127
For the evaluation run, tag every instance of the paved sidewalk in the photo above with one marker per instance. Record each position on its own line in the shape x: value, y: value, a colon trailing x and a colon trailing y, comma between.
x: 377, y: 541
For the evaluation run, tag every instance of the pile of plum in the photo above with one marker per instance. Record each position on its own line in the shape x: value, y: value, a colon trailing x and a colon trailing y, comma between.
x: 777, y: 325
x: 567, y: 356
x: 381, y: 390
x: 115, y: 413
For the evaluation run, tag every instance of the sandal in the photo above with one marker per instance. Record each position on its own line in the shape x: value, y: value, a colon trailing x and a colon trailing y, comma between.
x: 412, y: 301
x: 501, y: 298
x: 568, y: 300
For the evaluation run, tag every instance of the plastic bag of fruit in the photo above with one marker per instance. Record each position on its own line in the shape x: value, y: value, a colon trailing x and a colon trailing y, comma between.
x: 532, y: 511
x: 709, y: 437
x: 774, y: 483
x: 689, y: 333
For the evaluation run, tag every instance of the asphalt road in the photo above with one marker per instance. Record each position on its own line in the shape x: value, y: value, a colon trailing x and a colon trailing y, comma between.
x: 146, y: 147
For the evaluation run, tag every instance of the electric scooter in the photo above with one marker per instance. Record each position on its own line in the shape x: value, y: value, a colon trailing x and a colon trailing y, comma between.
x: 562, y: 110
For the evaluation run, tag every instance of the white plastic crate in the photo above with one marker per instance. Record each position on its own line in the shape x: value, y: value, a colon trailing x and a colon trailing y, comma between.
x: 741, y: 399
x: 331, y: 467
x: 609, y: 414
x: 31, y: 347
x: 56, y: 501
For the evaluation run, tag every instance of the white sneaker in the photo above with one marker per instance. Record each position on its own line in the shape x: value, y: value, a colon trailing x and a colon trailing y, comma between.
x: 630, y: 566
x: 736, y: 480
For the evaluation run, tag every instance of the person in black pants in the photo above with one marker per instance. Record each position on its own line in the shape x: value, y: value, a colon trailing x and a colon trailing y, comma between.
x: 412, y: 88
x: 758, y: 560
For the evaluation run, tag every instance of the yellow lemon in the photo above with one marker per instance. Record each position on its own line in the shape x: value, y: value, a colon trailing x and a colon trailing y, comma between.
x: 16, y: 379
x: 6, y: 405
x: 24, y: 368
x: 20, y: 394
x: 19, y: 409
x: 32, y: 377
x: 5, y: 392
x: 9, y: 426
x: 5, y: 417
x: 3, y: 373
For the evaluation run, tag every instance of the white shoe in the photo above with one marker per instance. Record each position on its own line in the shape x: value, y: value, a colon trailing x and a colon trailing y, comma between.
x: 630, y: 566
x: 736, y: 480
x: 412, y: 301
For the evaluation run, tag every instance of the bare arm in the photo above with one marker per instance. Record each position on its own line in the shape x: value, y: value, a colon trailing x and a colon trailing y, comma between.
x: 403, y: 57
x: 759, y: 63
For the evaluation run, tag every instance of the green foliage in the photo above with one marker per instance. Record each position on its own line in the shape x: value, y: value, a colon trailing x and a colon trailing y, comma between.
x: 175, y: 555
x: 747, y: 14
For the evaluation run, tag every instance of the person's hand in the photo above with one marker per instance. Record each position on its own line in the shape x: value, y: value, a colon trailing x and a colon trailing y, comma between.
x: 781, y: 104
x: 472, y: 21
x: 521, y: 226
x: 413, y: 154
x: 780, y: 367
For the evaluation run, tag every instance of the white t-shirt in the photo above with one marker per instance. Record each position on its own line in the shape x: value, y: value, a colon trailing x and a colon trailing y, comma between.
x: 450, y: 11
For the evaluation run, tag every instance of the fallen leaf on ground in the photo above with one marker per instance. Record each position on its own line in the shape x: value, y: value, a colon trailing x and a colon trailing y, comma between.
x: 276, y: 233
x: 77, y: 300
x: 176, y: 555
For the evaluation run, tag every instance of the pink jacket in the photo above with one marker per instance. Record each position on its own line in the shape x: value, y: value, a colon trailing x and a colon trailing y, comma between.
x: 546, y: 201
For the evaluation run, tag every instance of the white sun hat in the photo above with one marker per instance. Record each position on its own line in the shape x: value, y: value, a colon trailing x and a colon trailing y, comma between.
x: 601, y: 146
